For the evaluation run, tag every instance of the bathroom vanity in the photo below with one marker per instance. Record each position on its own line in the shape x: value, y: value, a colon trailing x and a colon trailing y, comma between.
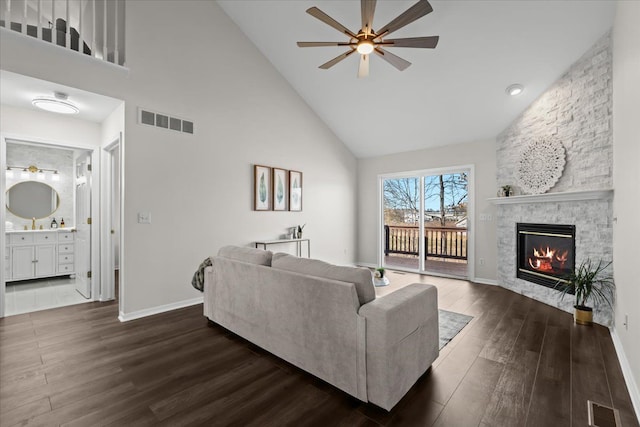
x: 39, y: 253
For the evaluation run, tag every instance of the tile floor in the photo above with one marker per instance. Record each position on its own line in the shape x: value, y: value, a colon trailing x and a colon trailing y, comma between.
x: 34, y: 295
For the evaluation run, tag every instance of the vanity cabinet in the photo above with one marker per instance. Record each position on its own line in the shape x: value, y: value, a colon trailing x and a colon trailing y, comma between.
x: 39, y: 254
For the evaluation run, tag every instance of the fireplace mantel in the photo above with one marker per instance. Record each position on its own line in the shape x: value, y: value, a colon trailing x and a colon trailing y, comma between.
x: 565, y: 196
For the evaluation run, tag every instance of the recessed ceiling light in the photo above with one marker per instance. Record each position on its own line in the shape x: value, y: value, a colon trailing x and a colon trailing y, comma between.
x: 515, y: 89
x: 57, y: 104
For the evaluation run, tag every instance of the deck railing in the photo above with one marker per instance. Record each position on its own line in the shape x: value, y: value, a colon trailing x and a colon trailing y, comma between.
x: 440, y: 242
x: 90, y: 27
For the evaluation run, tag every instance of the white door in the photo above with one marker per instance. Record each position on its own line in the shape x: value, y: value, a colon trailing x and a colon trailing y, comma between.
x: 83, y: 225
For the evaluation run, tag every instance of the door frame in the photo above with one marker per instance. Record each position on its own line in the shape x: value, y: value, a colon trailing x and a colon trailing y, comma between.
x: 95, y: 202
x: 115, y: 148
x: 470, y: 169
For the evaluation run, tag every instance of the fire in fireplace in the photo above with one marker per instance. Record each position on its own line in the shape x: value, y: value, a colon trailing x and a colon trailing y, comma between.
x: 546, y: 252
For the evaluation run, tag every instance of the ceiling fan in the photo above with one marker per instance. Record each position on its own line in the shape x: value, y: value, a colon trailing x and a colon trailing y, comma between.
x: 367, y: 40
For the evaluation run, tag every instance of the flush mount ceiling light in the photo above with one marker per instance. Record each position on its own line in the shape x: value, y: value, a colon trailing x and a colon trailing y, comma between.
x: 515, y: 89
x: 57, y: 104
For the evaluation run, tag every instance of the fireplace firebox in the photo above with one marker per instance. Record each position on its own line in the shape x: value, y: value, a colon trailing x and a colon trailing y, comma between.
x: 546, y: 252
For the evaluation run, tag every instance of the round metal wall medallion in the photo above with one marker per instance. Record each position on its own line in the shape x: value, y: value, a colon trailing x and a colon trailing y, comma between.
x: 541, y: 165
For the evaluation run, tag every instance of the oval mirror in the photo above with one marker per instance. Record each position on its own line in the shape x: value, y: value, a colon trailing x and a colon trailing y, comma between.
x: 32, y: 199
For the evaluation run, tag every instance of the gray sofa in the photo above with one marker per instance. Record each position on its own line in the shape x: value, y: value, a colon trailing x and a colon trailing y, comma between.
x: 326, y: 320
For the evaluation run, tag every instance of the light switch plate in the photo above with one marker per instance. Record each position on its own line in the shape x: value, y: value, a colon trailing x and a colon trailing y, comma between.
x: 144, y: 217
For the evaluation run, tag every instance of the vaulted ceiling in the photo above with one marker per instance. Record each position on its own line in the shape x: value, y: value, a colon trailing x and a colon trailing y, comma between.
x: 452, y: 94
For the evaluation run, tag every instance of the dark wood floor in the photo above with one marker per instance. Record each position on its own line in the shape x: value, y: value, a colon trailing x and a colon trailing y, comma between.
x: 519, y: 362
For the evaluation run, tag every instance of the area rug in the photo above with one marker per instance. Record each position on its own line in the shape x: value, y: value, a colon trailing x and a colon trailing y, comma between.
x: 450, y: 325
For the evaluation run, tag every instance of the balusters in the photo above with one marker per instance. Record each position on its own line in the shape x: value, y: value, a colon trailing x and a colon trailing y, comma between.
x: 97, y: 23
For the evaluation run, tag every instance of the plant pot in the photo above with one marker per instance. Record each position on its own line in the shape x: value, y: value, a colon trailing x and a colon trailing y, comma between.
x: 583, y: 315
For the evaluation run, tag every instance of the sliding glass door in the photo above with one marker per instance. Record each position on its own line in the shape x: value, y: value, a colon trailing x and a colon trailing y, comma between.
x: 401, y: 218
x: 425, y: 219
x: 445, y: 228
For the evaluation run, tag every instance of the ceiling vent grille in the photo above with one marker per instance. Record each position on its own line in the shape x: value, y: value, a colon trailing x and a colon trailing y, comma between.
x: 164, y: 121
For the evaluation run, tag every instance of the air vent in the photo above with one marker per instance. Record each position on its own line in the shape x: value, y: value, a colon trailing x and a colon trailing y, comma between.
x: 602, y: 415
x: 164, y: 121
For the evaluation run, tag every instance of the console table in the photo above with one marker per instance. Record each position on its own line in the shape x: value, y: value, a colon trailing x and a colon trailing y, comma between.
x: 298, y: 243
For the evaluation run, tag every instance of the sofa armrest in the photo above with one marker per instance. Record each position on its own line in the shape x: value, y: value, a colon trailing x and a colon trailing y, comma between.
x: 401, y: 331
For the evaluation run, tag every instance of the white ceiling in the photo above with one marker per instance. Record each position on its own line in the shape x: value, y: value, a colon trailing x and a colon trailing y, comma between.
x: 453, y: 94
x: 18, y: 91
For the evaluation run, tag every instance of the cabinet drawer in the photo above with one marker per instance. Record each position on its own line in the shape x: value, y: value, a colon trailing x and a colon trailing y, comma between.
x: 45, y: 237
x: 18, y: 238
x: 65, y: 259
x: 65, y: 236
x: 65, y: 268
x: 65, y: 248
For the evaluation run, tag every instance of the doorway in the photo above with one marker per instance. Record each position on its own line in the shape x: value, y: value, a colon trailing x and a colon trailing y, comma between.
x: 425, y: 218
x: 112, y: 220
x: 43, y: 250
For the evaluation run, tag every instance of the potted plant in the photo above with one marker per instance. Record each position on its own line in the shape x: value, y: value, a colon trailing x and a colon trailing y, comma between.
x: 379, y: 273
x: 506, y: 190
x: 588, y: 282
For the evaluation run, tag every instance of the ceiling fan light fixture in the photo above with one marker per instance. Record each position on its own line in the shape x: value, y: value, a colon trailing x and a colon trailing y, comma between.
x: 58, y: 104
x: 365, y: 47
x: 515, y: 89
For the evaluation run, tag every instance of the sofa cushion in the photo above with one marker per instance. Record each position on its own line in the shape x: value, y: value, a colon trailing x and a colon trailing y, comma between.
x: 361, y: 277
x: 244, y: 254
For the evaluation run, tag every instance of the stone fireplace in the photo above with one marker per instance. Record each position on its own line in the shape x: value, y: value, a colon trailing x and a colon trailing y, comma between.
x: 575, y: 110
x: 590, y: 216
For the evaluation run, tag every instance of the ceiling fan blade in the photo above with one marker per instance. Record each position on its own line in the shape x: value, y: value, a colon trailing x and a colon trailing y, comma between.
x: 416, y: 11
x: 367, y: 8
x: 427, y: 42
x: 320, y: 44
x: 363, y: 68
x: 335, y: 60
x: 392, y: 59
x: 317, y: 13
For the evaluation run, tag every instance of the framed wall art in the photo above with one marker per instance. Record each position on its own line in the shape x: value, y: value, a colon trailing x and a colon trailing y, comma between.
x: 280, y: 189
x: 261, y: 188
x: 295, y: 191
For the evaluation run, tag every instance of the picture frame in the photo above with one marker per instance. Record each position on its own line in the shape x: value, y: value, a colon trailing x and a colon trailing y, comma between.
x: 261, y: 188
x: 295, y: 191
x: 280, y: 189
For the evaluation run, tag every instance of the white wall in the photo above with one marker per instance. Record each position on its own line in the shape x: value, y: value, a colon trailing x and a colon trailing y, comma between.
x: 482, y: 154
x: 45, y: 126
x: 626, y: 176
x: 188, y: 59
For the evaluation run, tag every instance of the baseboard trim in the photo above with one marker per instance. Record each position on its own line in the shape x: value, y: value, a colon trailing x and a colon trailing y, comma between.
x: 482, y: 281
x: 366, y: 264
x: 632, y: 386
x: 125, y: 317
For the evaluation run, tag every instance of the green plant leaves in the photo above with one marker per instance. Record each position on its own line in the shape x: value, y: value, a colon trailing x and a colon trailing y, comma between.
x: 280, y: 190
x: 590, y: 283
x: 263, y: 190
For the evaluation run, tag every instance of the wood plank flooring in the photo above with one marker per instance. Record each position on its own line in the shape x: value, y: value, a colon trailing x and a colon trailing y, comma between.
x: 518, y: 363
